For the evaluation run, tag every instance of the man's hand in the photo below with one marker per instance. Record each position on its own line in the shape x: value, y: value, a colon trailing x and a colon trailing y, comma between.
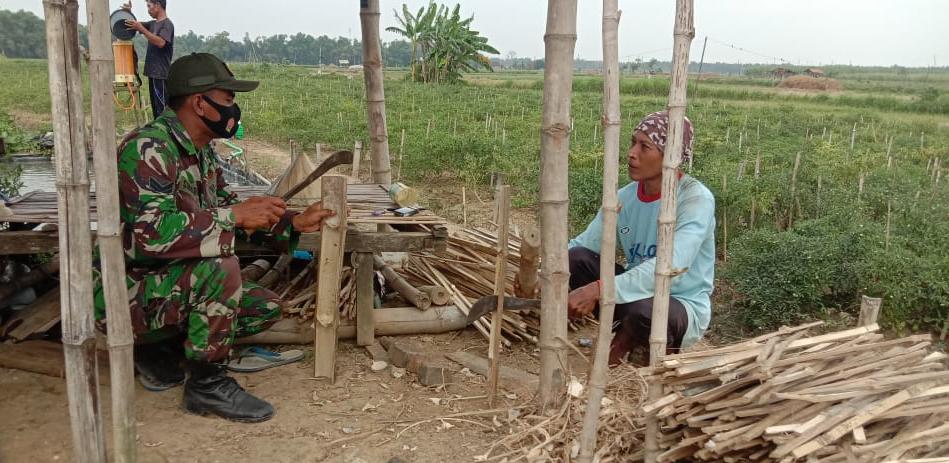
x: 311, y: 220
x: 583, y: 300
x: 135, y: 25
x: 259, y: 212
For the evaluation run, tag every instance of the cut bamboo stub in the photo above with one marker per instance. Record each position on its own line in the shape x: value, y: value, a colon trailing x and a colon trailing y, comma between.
x: 413, y: 295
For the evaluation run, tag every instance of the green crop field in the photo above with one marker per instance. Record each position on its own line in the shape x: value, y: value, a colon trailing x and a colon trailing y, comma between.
x: 871, y: 217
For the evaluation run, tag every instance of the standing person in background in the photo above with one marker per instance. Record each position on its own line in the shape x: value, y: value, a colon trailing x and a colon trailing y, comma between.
x: 160, y: 34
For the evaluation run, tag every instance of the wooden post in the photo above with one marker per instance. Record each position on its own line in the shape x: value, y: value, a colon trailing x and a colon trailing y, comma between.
x: 869, y: 310
x: 500, y: 281
x: 365, y: 309
x: 357, y: 158
x: 464, y: 207
x: 684, y: 31
x: 611, y: 140
x: 112, y: 254
x: 530, y: 261
x: 886, y: 232
x: 375, y: 94
x: 333, y: 237
x: 559, y: 42
x: 72, y: 186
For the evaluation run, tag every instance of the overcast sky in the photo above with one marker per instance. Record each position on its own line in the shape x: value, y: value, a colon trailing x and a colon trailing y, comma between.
x: 861, y: 32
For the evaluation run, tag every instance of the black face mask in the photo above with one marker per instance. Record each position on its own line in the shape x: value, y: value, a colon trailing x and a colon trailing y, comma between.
x: 227, y: 113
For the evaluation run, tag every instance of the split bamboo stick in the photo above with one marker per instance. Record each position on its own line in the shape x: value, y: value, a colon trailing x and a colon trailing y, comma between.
x: 331, y: 262
x: 500, y: 279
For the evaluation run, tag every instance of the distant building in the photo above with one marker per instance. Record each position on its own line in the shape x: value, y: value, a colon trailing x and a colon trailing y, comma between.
x: 815, y: 72
x: 343, y: 63
x: 782, y: 73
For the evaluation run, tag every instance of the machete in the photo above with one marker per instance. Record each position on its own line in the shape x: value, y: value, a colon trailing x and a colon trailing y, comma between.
x: 333, y: 160
x: 489, y: 303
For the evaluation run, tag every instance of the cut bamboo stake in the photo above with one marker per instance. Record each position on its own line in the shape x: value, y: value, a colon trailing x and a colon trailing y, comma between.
x: 886, y: 237
x: 375, y: 92
x: 559, y: 43
x: 72, y: 186
x: 853, y: 136
x: 684, y: 32
x: 529, y: 261
x: 365, y: 304
x: 331, y: 263
x: 464, y: 207
x: 611, y: 136
x: 797, y: 164
x: 357, y: 158
x: 500, y: 281
x: 108, y: 232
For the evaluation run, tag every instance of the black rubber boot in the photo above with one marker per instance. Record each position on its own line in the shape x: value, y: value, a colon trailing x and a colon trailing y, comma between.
x: 210, y: 390
x: 159, y: 365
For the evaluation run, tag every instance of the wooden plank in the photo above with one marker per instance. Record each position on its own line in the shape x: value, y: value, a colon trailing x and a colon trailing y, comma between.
x: 45, y: 358
x: 365, y: 320
x: 40, y: 316
x: 331, y: 264
x: 28, y: 242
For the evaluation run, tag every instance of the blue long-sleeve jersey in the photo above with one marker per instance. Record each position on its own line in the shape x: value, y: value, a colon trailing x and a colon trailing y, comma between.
x: 694, y: 250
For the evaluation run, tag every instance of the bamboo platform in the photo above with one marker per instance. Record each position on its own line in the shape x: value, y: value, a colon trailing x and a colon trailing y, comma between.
x: 369, y: 203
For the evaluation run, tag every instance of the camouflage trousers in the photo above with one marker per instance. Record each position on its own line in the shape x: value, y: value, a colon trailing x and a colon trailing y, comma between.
x: 205, y: 299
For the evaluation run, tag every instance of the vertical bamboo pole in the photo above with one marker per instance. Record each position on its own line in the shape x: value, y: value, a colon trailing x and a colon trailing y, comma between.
x: 611, y: 135
x: 333, y: 236
x: 684, y: 31
x: 72, y: 185
x: 112, y: 254
x: 500, y: 280
x: 559, y: 42
x: 375, y: 94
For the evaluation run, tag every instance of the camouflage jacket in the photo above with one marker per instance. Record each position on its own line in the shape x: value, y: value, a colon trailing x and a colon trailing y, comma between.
x: 174, y: 200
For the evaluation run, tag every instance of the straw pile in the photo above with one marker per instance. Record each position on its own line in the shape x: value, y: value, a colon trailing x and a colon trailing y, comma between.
x: 811, y: 83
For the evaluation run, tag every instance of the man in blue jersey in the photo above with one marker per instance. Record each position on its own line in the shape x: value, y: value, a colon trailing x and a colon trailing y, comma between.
x: 637, y: 224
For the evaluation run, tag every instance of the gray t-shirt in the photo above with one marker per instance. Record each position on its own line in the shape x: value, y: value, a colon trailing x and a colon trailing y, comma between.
x: 158, y: 60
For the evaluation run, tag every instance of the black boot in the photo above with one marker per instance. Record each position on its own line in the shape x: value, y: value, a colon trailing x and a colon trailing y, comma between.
x: 159, y: 364
x: 210, y: 390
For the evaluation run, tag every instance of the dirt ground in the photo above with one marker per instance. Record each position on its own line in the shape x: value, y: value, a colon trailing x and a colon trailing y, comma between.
x: 365, y: 416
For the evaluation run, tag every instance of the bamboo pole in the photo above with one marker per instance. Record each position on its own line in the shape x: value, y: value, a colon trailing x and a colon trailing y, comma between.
x: 500, y: 281
x: 112, y: 254
x: 375, y: 93
x: 331, y: 262
x: 611, y: 135
x: 72, y: 185
x: 684, y: 31
x: 559, y: 42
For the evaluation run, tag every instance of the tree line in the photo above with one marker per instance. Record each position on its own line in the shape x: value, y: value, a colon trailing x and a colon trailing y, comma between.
x: 23, y: 35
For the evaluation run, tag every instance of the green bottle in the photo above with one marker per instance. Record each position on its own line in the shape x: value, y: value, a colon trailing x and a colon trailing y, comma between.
x: 240, y: 130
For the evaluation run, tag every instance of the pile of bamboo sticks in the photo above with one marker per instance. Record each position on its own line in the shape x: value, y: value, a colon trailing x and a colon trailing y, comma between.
x: 844, y: 396
x: 466, y: 270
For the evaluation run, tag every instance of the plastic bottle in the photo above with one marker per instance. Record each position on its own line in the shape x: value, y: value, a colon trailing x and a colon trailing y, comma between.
x: 240, y: 130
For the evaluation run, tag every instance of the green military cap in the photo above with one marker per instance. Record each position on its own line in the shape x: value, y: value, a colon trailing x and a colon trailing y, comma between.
x: 200, y: 72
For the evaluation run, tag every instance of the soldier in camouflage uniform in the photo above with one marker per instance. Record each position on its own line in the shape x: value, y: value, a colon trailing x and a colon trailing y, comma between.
x: 179, y: 225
